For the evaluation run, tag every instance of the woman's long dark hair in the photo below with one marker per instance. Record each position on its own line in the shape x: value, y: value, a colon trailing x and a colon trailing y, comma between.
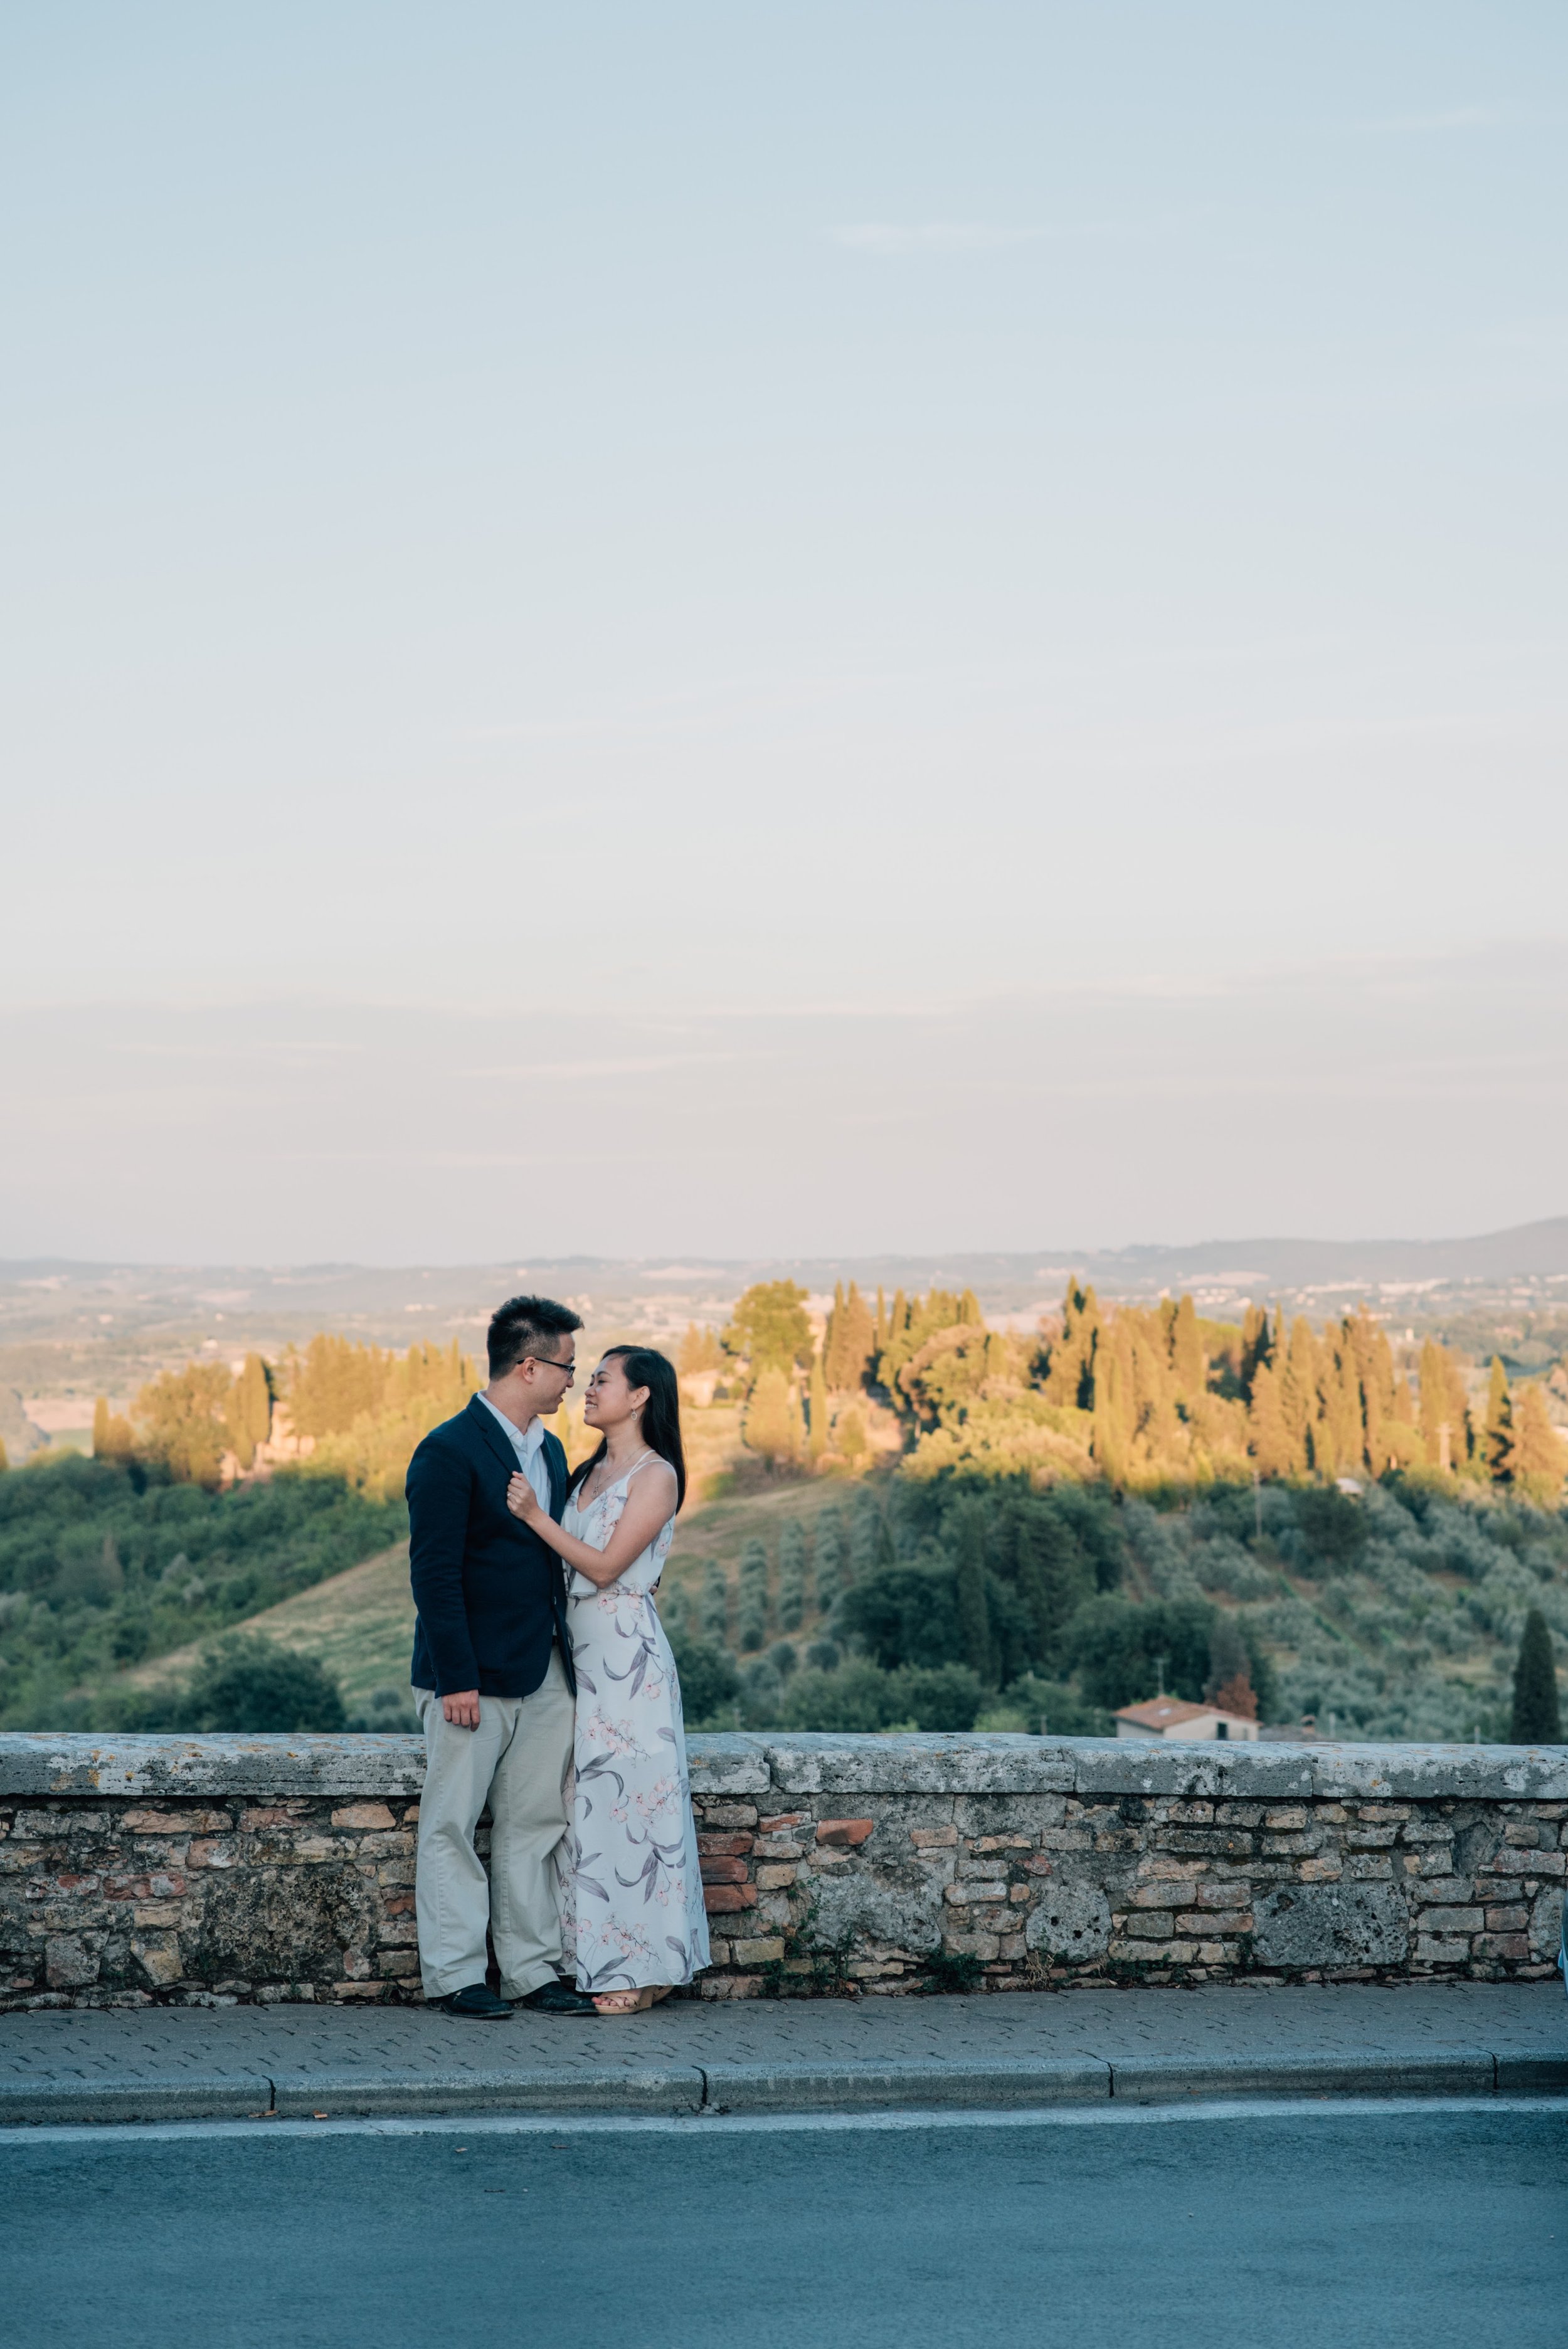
x: 661, y: 1413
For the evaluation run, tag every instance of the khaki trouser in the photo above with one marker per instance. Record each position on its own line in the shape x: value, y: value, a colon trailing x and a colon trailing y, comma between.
x: 517, y: 1760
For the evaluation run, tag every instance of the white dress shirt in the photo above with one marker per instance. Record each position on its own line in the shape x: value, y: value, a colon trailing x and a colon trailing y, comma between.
x: 527, y: 1443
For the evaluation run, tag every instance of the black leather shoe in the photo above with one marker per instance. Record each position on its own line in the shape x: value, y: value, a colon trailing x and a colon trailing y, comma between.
x: 558, y: 1997
x: 478, y: 2000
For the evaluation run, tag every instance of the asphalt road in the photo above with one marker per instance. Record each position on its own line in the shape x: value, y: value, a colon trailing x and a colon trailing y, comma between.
x: 1231, y: 2227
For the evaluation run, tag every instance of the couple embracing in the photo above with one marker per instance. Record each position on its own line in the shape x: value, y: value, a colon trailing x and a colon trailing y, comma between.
x: 547, y: 1690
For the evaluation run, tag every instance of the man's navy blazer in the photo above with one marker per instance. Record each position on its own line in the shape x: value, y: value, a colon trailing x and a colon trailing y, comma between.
x: 491, y: 1597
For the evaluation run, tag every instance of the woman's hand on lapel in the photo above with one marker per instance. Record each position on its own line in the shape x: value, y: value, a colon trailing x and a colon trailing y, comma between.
x: 523, y: 1502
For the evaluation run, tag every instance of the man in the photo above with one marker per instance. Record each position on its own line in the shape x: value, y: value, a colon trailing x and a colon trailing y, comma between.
x: 492, y: 1678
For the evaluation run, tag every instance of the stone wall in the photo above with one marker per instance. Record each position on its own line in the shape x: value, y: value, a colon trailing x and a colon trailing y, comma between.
x: 178, y: 1869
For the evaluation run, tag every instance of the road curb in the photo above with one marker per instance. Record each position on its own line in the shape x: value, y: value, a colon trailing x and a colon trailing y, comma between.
x: 39, y: 2102
x: 347, y: 2095
x: 741, y: 2088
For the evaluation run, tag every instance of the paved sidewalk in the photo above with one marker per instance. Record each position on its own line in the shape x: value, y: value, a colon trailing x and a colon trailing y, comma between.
x: 798, y: 2055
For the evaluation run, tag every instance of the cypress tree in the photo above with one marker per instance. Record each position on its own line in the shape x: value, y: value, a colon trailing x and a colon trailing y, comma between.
x: 101, y: 1428
x: 977, y: 1646
x: 834, y: 1362
x: 860, y: 1336
x: 716, y: 1607
x: 791, y: 1576
x: 1536, y: 1462
x: 1188, y: 1359
x: 969, y: 1311
x: 1298, y: 1394
x: 817, y: 1409
x: 865, y: 1538
x: 1434, y: 1415
x: 1256, y: 1346
x: 1537, y: 1716
x: 751, y: 1611
x: 1497, y: 1429
x: 829, y: 1557
x: 257, y: 1398
x: 1268, y: 1436
x: 881, y: 1317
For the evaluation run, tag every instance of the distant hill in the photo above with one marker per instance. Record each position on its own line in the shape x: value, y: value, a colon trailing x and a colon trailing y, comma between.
x: 113, y: 1319
x: 1527, y: 1251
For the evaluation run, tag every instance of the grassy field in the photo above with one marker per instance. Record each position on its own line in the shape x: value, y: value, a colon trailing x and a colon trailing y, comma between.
x: 359, y: 1625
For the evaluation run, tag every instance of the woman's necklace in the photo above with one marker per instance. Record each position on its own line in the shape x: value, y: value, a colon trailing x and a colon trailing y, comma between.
x: 589, y: 1498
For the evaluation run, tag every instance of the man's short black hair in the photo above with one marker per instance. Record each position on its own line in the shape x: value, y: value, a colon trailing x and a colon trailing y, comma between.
x: 528, y: 1325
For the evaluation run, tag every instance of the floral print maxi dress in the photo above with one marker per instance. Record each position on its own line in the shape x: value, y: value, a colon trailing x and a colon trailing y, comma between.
x: 631, y: 1891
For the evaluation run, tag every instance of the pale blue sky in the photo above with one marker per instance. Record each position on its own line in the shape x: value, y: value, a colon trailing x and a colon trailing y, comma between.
x: 918, y: 517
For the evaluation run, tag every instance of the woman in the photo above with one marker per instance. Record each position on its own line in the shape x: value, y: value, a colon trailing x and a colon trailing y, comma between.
x: 632, y: 1908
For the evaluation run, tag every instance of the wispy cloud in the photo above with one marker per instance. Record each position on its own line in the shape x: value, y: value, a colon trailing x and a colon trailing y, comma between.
x: 937, y: 236
x: 645, y: 1065
x: 1451, y: 117
x: 889, y: 239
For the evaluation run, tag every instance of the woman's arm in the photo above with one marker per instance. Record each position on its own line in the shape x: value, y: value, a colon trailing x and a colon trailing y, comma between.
x: 648, y: 1505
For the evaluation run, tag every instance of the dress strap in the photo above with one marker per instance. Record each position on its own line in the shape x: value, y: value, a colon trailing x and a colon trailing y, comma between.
x: 625, y: 1477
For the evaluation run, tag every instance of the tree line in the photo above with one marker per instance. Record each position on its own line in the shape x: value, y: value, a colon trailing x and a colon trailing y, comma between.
x: 1137, y: 1396
x: 351, y: 1409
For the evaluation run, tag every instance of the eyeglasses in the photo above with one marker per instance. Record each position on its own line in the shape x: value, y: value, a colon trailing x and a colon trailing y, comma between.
x: 545, y: 1364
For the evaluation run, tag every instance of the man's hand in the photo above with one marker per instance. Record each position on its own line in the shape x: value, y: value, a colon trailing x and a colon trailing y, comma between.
x: 461, y: 1709
x: 523, y: 1501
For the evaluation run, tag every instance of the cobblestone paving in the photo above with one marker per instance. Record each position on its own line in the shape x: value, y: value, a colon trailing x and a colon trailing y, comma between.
x: 1080, y: 2045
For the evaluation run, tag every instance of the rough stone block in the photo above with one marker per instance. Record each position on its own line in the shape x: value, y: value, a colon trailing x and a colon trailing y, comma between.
x: 68, y: 1964
x: 847, y: 1832
x: 177, y: 1823
x: 211, y: 1851
x: 1331, y: 1925
x: 1546, y: 1924
x: 1512, y: 1947
x: 1215, y: 1843
x: 763, y: 1950
x: 1164, y: 1895
x: 1221, y: 1896
x: 724, y: 1871
x: 157, y: 1955
x: 899, y: 1906
x: 364, y: 1815
x: 725, y: 1898
x: 985, y: 1946
x: 720, y: 1846
x: 769, y: 1879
